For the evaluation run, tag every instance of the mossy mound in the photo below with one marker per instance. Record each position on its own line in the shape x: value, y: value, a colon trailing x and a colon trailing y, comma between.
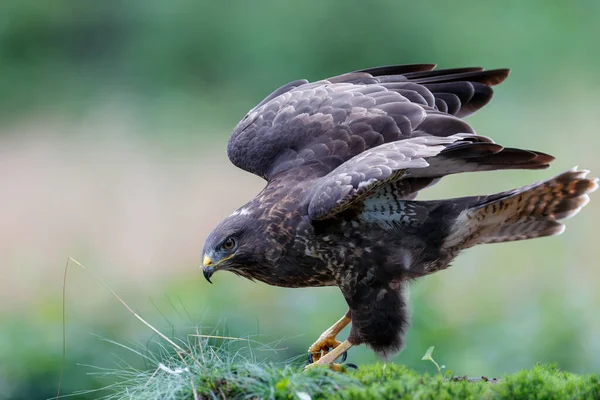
x: 215, y: 373
x: 540, y: 382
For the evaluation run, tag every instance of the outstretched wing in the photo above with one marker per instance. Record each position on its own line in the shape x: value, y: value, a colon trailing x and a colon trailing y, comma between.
x: 325, y: 123
x: 407, y: 165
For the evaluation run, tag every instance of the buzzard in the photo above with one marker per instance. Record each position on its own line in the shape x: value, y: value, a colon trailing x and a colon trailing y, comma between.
x: 344, y: 159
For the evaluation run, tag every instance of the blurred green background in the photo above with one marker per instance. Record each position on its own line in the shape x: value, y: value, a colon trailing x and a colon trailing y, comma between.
x: 114, y: 116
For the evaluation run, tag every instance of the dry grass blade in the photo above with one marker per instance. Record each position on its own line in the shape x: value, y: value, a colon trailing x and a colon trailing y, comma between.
x: 219, y: 337
x: 178, y: 348
x: 194, y: 391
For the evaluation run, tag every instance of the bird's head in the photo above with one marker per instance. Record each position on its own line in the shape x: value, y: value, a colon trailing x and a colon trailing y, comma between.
x: 230, y: 246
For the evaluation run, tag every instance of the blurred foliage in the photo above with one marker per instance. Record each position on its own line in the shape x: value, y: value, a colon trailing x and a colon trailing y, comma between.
x: 201, y: 65
x: 230, y: 53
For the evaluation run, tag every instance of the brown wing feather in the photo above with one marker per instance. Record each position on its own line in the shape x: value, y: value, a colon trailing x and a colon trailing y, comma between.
x: 328, y: 122
x: 409, y: 165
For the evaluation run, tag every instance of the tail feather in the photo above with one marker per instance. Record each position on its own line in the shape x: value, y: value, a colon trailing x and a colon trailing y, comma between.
x: 527, y: 228
x: 525, y: 213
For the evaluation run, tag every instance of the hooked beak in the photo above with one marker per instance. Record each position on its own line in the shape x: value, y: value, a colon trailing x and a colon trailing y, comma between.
x: 208, y: 268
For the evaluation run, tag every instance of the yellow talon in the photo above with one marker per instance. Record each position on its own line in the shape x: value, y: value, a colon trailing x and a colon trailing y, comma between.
x: 329, y: 358
x: 327, y: 339
x: 322, y: 347
x: 327, y: 348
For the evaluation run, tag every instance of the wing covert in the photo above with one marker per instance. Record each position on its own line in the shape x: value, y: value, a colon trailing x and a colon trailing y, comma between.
x: 360, y: 176
x: 404, y: 167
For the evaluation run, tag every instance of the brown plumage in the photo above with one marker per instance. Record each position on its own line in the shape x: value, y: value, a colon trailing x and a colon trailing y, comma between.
x: 344, y: 159
x: 526, y: 213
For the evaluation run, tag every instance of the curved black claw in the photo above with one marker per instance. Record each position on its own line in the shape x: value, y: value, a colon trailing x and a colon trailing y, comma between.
x: 351, y: 365
x: 344, y: 356
x: 310, y: 358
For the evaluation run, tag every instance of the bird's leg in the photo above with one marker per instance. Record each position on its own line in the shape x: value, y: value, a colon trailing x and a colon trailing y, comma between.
x: 329, y: 358
x: 327, y: 339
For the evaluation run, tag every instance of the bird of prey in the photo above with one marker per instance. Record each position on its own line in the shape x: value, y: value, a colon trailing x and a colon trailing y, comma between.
x: 344, y: 159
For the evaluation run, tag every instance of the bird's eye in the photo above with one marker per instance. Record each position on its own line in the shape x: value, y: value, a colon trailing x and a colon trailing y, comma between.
x: 229, y: 244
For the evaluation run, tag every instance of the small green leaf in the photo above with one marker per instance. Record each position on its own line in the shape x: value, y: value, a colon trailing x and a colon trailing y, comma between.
x: 428, y: 354
x: 282, y: 384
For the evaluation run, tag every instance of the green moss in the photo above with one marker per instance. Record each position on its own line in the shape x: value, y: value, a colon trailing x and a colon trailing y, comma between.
x: 540, y: 382
x: 223, y: 372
